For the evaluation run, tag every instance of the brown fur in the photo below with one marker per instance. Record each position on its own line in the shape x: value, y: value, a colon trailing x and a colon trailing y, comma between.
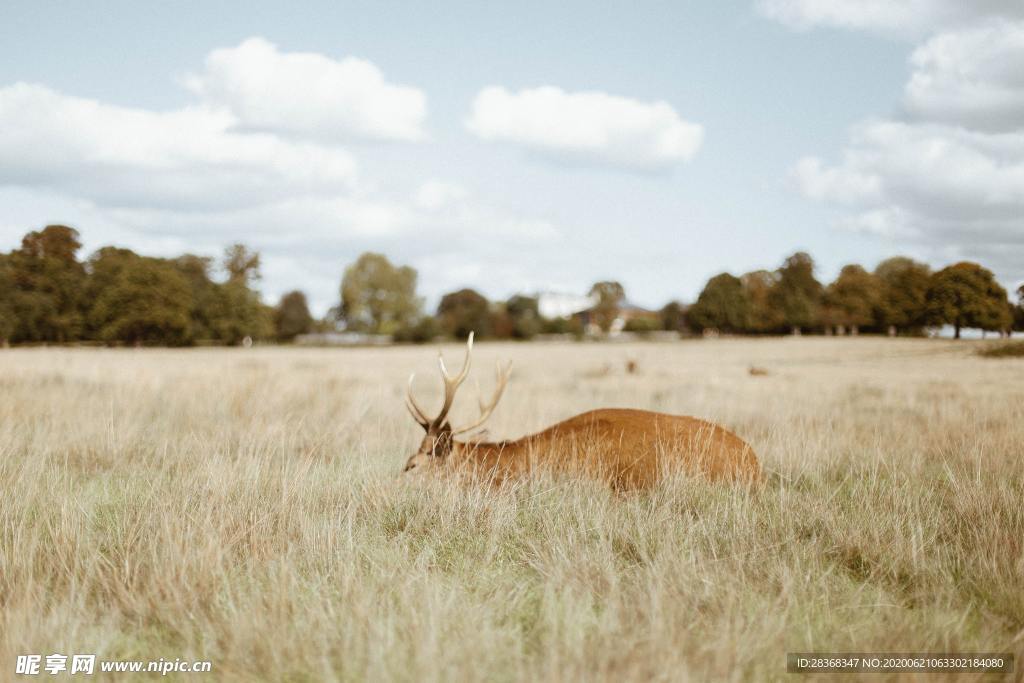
x: 628, y: 448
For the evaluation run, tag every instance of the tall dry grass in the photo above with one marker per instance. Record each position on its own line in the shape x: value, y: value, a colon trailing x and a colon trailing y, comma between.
x: 245, y: 507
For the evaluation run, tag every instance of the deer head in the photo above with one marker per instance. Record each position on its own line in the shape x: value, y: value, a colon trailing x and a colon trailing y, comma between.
x: 439, y: 441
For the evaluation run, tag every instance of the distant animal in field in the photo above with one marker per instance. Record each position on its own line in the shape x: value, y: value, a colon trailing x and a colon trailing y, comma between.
x: 632, y: 367
x: 757, y: 372
x: 630, y: 449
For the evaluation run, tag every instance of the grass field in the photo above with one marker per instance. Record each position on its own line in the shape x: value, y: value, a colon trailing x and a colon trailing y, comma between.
x: 245, y: 507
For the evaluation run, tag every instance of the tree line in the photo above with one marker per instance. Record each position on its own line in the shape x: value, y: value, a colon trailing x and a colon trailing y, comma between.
x: 119, y: 297
x: 900, y: 296
x: 115, y: 296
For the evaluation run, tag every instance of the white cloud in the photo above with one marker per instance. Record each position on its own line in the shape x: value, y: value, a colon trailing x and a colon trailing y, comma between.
x: 890, y: 16
x: 309, y: 94
x: 933, y: 173
x: 187, y: 158
x: 435, y: 195
x: 972, y: 77
x: 586, y: 127
x: 844, y: 184
x: 938, y: 166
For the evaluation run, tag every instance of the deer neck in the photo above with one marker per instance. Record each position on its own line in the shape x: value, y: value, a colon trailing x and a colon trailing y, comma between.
x: 479, y: 452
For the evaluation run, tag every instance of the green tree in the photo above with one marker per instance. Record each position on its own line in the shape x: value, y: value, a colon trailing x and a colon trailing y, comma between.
x: 236, y: 310
x: 238, y: 314
x: 464, y: 311
x: 762, y: 316
x: 852, y: 299
x: 967, y: 295
x: 572, y: 325
x: 1018, y: 310
x: 228, y: 311
x: 673, y: 316
x: 722, y: 305
x: 903, y: 292
x: 48, y: 282
x: 797, y: 293
x: 377, y: 296
x: 242, y: 264
x: 291, y: 317
x: 205, y: 295
x: 136, y: 299
x: 524, y: 315
x: 423, y: 330
x: 8, y: 318
x: 610, y: 295
x: 642, y: 325
x: 997, y: 315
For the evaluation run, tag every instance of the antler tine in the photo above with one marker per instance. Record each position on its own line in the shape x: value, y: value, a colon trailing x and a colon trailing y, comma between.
x: 465, y: 365
x: 488, y: 408
x: 451, y: 384
x: 414, y: 408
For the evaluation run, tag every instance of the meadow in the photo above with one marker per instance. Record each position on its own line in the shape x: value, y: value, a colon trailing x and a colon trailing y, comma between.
x: 245, y: 506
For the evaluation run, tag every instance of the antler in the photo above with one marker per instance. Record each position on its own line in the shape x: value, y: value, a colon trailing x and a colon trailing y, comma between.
x: 451, y: 385
x: 487, y: 408
x: 414, y: 409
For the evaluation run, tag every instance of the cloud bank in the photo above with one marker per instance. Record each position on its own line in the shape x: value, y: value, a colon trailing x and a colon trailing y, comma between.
x: 586, y: 127
x: 189, y: 158
x: 905, y: 17
x: 256, y: 157
x: 973, y: 77
x: 947, y: 174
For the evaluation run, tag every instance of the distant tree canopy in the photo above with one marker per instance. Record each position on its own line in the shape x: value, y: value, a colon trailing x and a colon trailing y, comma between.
x: 796, y: 294
x: 464, y: 311
x: 762, y: 317
x: 852, y: 300
x: 1018, y: 310
x: 118, y: 296
x: 610, y: 295
x: 379, y: 297
x: 763, y: 302
x: 672, y: 316
x: 8, y: 318
x: 967, y: 295
x: 722, y: 306
x: 47, y: 283
x: 292, y: 317
x: 903, y: 291
x: 524, y: 316
x: 241, y: 264
x: 900, y: 296
x: 136, y: 299
x: 204, y: 295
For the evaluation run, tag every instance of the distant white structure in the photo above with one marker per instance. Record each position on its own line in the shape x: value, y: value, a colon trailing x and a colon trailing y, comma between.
x: 342, y: 339
x: 559, y: 305
x: 948, y: 332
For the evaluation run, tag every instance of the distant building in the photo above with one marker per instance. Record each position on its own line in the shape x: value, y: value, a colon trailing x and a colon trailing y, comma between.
x: 553, y: 305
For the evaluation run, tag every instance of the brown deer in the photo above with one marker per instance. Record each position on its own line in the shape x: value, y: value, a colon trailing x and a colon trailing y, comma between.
x: 628, y: 448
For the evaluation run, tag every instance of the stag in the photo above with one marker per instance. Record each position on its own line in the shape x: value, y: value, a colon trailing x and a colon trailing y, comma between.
x: 628, y: 448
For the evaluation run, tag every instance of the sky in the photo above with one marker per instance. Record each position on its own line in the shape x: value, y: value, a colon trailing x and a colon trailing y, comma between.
x: 534, y: 146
